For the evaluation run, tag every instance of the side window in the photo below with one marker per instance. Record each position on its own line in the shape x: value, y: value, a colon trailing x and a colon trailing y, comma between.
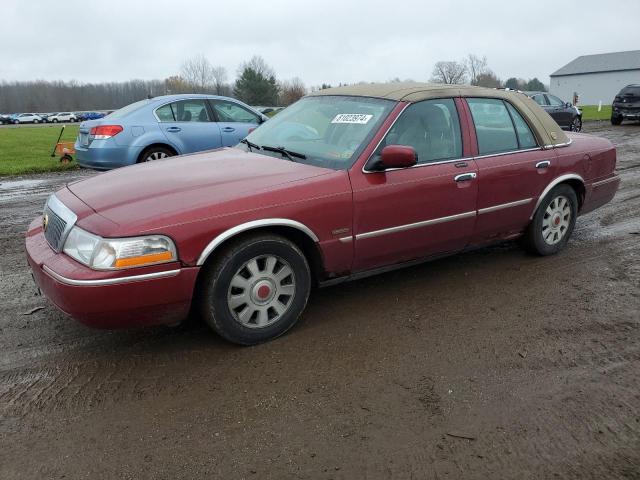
x: 525, y: 136
x: 232, y: 112
x: 555, y: 101
x: 431, y: 127
x: 165, y: 113
x: 494, y: 128
x: 540, y: 100
x: 190, y: 111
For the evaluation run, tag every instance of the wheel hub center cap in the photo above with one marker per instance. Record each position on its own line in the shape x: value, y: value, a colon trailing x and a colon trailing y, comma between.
x: 262, y: 292
x: 556, y: 220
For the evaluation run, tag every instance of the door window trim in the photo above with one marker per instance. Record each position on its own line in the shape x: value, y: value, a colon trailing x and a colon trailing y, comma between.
x: 419, y: 165
x: 206, y: 106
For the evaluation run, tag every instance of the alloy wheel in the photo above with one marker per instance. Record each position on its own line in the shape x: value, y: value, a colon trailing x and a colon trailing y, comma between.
x: 556, y: 220
x: 261, y: 291
x: 155, y: 156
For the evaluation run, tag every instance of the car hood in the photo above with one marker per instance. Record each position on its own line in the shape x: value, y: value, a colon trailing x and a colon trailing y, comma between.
x: 180, y: 189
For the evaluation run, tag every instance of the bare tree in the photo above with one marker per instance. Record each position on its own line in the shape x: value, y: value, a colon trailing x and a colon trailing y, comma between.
x: 451, y: 72
x: 198, y: 72
x: 219, y: 75
x: 476, y: 66
x: 259, y: 66
x: 488, y: 79
x: 291, y: 91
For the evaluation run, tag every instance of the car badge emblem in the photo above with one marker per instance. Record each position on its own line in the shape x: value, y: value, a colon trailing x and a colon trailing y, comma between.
x: 45, y: 222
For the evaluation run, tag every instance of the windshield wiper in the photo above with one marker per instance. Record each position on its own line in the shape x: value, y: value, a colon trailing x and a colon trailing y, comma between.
x: 284, y: 152
x: 249, y: 144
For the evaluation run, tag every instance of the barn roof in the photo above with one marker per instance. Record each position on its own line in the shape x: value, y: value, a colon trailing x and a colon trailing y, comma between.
x: 602, y: 62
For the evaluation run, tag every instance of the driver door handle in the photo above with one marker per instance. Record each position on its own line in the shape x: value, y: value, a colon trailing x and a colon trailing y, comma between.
x: 173, y: 129
x: 543, y: 164
x: 228, y: 129
x: 465, y: 177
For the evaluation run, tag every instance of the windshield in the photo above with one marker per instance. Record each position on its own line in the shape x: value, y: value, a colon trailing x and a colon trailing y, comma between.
x: 329, y: 131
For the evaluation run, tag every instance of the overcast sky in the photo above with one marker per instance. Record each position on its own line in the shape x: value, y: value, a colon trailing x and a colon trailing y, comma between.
x: 324, y: 41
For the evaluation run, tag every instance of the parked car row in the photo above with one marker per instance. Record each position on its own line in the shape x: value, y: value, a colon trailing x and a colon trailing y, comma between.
x: 344, y: 183
x: 68, y: 117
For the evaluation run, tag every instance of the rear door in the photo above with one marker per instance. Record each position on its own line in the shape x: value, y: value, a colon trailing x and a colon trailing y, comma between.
x: 410, y: 213
x: 513, y: 168
x: 188, y: 126
x: 234, y: 120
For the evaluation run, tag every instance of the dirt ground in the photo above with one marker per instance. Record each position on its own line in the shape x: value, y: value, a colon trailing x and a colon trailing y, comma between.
x: 490, y: 364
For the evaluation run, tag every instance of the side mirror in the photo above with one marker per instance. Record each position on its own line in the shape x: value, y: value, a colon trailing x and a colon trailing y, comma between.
x: 397, y: 156
x: 567, y: 105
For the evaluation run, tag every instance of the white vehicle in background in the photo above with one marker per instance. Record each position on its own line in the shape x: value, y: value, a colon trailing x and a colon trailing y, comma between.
x: 62, y: 117
x: 26, y: 118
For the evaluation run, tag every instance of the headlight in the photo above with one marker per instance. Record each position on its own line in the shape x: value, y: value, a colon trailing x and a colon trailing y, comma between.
x: 118, y: 253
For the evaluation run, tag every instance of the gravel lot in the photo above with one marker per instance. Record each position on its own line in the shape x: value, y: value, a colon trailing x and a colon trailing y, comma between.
x: 490, y: 364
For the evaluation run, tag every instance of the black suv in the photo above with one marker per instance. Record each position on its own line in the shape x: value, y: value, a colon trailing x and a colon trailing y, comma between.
x: 626, y: 105
x: 564, y: 113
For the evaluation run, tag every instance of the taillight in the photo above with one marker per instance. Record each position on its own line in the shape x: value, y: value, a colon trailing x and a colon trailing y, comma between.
x: 105, y: 131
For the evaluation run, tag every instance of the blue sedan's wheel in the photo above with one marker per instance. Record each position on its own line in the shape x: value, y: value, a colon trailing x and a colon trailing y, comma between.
x: 155, y: 153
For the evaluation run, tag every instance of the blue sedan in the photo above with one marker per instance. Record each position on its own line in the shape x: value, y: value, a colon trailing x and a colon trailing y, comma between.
x: 162, y: 127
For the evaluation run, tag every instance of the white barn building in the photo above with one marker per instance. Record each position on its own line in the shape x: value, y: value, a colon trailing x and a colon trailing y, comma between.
x: 596, y: 78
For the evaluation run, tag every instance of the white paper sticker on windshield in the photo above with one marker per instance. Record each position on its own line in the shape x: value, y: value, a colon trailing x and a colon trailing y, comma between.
x: 359, y: 118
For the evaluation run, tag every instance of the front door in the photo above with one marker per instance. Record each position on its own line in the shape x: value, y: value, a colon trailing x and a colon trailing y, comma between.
x: 234, y: 120
x: 188, y: 126
x: 405, y: 214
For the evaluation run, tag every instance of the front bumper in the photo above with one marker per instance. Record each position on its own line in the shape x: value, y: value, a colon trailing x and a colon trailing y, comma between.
x: 137, y: 297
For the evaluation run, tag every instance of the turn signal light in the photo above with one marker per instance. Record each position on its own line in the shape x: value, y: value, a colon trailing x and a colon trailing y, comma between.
x: 143, y: 260
x: 103, y: 132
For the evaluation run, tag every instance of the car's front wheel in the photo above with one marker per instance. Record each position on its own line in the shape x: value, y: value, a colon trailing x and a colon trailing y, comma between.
x: 576, y: 124
x: 255, y: 290
x: 616, y: 119
x: 553, y: 222
x: 155, y: 153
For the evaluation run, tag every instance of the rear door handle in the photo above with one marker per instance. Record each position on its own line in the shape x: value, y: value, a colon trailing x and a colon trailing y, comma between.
x: 465, y: 177
x: 173, y: 129
x: 543, y: 164
x: 228, y: 129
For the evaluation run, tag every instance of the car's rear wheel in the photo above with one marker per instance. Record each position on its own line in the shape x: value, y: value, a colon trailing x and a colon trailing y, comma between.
x: 553, y: 222
x: 36, y: 121
x: 55, y: 120
x: 576, y: 124
x: 255, y: 290
x: 155, y: 153
x: 616, y: 119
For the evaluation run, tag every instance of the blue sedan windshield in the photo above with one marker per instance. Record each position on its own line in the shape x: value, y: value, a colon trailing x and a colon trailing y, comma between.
x: 330, y: 131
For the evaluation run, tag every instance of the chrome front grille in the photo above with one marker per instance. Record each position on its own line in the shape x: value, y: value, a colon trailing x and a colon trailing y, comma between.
x: 57, y: 222
x: 54, y: 228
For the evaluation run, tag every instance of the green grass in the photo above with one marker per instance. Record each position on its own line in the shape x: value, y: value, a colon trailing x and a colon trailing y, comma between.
x: 28, y: 149
x: 590, y: 112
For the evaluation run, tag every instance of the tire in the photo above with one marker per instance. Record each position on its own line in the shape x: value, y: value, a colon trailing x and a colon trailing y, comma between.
x: 36, y: 121
x: 16, y: 122
x: 553, y: 222
x: 616, y: 120
x: 576, y: 124
x: 155, y: 153
x: 255, y: 290
x: 55, y: 120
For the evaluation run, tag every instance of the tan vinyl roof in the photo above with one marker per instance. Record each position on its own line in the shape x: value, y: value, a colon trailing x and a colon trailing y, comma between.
x: 545, y: 128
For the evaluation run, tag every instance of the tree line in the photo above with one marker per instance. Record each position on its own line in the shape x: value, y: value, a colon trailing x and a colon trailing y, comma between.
x: 256, y: 84
x: 474, y: 70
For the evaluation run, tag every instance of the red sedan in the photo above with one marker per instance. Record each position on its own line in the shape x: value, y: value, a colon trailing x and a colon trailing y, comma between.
x: 345, y: 183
